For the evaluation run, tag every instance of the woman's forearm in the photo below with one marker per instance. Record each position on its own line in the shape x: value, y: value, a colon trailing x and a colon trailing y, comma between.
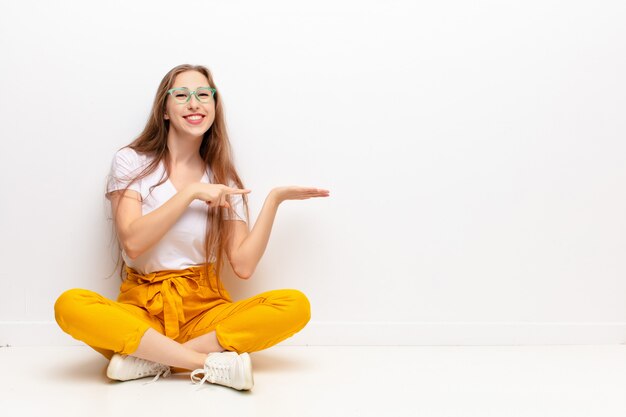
x: 147, y: 230
x: 253, y: 246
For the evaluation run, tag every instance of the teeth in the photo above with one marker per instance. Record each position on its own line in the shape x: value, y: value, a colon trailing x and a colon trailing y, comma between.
x: 194, y: 117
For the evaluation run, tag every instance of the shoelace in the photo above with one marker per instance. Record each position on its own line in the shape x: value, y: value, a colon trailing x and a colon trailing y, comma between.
x: 213, y: 372
x: 165, y: 373
x: 149, y: 367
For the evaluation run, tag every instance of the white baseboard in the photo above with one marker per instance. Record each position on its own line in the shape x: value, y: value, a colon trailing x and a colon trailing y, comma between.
x: 47, y: 333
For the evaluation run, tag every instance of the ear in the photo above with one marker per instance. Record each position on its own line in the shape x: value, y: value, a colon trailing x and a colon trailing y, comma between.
x: 166, y: 117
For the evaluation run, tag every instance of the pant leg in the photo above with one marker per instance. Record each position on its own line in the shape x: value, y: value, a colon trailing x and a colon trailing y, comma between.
x: 105, y: 325
x: 255, y: 323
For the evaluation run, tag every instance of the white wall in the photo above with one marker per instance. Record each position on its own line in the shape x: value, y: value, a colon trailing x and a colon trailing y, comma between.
x: 474, y: 152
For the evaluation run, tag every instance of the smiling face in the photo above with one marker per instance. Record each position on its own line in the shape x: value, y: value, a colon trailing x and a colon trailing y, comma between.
x: 193, y: 118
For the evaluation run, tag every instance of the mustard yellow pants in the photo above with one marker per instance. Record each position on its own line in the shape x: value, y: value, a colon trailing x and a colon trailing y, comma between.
x: 182, y: 305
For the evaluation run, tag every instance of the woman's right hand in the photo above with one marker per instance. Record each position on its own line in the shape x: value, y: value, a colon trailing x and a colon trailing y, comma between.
x: 214, y: 194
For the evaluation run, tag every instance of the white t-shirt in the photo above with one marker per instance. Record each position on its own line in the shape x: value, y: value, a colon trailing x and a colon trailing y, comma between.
x: 183, y: 245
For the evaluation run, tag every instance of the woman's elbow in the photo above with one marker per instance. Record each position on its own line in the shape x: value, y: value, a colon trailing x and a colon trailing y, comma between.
x: 131, y: 255
x: 131, y: 250
x: 243, y: 272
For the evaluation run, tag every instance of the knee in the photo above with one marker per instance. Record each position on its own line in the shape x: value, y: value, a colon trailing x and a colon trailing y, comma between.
x: 300, y: 307
x: 67, y: 305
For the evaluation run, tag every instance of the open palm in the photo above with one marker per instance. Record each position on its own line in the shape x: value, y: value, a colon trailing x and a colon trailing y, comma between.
x: 295, y: 192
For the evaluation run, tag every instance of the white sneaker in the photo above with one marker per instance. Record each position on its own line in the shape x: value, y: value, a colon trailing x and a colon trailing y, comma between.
x: 124, y: 368
x: 226, y: 368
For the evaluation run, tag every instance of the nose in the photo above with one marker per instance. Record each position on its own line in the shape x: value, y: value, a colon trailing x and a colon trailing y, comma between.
x: 193, y: 102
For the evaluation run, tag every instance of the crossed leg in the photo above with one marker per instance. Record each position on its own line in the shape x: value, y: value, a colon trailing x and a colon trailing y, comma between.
x: 244, y: 326
x: 191, y: 355
x: 248, y: 325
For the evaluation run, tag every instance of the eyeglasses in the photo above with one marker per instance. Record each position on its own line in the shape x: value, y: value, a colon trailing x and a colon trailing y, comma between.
x: 182, y: 95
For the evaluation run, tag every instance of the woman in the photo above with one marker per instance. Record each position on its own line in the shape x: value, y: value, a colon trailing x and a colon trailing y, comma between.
x: 178, y: 205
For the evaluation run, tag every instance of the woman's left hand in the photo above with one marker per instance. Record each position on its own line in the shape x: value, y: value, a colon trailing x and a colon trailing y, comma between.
x: 295, y: 192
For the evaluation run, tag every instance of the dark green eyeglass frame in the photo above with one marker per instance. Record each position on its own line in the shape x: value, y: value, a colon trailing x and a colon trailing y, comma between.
x: 192, y: 93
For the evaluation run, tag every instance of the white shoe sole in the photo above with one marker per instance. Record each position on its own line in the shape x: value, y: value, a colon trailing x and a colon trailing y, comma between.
x: 248, y: 379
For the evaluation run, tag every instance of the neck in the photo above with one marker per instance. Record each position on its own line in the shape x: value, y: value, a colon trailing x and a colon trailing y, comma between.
x: 183, y: 149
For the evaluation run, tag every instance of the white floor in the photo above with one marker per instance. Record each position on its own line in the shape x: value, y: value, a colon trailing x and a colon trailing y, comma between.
x: 503, y: 381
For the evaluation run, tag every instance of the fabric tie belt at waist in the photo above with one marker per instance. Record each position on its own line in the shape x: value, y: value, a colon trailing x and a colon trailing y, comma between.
x: 163, y: 292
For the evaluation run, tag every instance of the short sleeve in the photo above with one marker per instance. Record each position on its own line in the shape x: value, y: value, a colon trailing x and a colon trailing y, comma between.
x: 236, y: 201
x: 124, y: 168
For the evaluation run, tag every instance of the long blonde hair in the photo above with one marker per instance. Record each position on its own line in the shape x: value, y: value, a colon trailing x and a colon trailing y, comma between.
x: 215, y: 150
